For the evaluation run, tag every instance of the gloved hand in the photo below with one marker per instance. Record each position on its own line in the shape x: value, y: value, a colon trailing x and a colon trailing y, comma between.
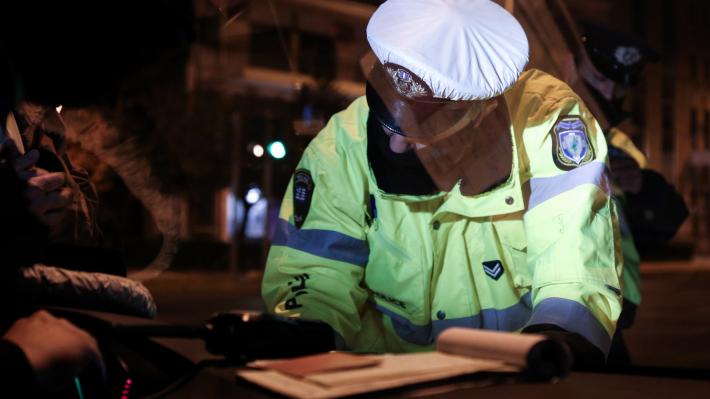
x: 585, y: 355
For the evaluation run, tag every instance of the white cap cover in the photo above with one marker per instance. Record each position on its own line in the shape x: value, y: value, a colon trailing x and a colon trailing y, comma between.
x: 462, y: 49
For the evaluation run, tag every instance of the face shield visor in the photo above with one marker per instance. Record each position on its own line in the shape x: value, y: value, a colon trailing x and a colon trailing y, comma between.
x: 456, y: 141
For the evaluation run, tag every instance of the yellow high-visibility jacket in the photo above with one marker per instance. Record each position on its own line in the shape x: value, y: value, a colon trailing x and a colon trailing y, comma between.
x: 632, y: 260
x: 390, y: 272
x: 621, y: 140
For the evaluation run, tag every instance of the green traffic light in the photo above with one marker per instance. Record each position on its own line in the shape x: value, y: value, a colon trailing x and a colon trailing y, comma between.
x: 276, y: 149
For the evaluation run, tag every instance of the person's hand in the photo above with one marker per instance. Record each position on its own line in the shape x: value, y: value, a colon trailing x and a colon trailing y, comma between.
x: 56, y: 349
x: 47, y: 193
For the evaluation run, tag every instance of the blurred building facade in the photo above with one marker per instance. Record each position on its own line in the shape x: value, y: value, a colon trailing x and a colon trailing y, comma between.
x: 263, y: 71
x: 277, y: 70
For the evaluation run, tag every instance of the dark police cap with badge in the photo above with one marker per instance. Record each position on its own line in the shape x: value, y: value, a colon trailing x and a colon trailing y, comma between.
x: 619, y: 56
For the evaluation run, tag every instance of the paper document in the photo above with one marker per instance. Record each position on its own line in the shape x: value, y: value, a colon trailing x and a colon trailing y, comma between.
x: 459, y: 352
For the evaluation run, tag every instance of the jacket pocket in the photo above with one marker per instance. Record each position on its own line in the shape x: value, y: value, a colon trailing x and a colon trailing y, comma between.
x: 510, y: 230
x: 396, y: 275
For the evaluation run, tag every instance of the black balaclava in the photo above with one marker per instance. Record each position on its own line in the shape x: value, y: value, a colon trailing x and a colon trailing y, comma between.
x: 395, y: 173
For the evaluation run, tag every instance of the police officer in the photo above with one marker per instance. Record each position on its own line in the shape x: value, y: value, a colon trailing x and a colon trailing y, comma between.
x: 650, y: 210
x: 461, y: 191
x: 655, y: 210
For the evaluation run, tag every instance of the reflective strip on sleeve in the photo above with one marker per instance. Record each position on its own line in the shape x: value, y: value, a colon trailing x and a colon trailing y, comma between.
x: 512, y: 318
x: 574, y: 317
x: 324, y: 243
x: 544, y: 188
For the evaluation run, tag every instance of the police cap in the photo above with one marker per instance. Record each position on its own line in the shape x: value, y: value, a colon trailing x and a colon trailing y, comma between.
x: 619, y: 56
x: 435, y: 58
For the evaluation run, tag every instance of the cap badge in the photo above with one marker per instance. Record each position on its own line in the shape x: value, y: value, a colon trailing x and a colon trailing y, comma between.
x: 407, y: 83
x: 627, y: 56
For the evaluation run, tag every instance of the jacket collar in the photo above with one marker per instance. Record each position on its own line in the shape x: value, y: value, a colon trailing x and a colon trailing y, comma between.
x: 503, y: 199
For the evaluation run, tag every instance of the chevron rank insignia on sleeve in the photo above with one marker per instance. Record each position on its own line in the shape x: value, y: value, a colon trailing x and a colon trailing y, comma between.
x: 493, y: 269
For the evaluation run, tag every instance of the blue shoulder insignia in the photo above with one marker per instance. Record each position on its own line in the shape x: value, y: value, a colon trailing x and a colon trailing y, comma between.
x: 571, y: 147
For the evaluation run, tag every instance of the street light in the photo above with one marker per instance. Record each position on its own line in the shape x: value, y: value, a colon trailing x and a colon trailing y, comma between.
x: 253, y: 195
x: 257, y: 150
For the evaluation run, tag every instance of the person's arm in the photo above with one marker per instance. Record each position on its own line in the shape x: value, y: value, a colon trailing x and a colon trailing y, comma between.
x: 318, y: 254
x: 574, y: 252
x: 54, y: 350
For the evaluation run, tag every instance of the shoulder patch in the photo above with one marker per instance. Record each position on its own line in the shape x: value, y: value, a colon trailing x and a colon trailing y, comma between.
x: 303, y: 187
x: 570, y: 143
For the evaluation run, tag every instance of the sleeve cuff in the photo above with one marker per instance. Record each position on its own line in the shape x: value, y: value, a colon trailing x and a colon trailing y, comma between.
x: 574, y: 317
